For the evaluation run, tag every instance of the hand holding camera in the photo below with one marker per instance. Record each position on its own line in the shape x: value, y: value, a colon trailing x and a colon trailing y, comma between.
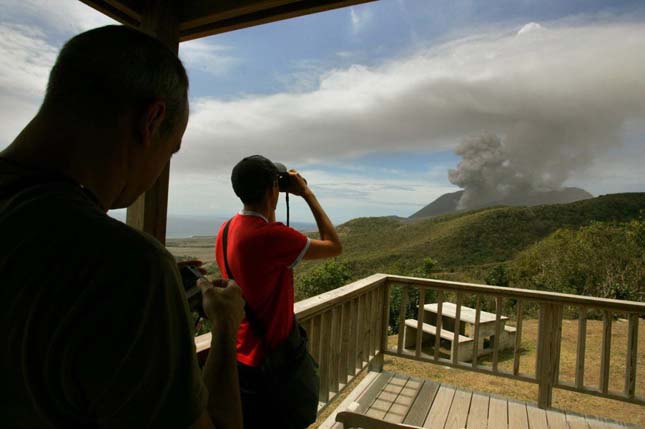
x: 222, y: 302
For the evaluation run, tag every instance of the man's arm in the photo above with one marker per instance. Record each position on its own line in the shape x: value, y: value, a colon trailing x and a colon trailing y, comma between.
x: 224, y: 306
x: 329, y: 244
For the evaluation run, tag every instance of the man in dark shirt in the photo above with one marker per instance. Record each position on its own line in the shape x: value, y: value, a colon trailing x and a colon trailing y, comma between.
x: 95, y: 330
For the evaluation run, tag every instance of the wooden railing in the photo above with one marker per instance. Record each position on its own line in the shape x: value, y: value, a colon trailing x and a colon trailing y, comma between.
x: 348, y: 331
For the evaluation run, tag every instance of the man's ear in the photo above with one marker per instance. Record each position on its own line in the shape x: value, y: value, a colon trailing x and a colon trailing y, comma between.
x: 152, y: 117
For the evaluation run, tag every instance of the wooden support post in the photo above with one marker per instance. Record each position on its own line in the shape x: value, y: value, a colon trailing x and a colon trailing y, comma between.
x: 548, y: 351
x: 377, y: 362
x: 148, y: 213
x: 632, y: 356
x: 582, y: 342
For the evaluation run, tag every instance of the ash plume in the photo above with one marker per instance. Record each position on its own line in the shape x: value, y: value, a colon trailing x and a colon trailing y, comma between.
x: 529, y: 157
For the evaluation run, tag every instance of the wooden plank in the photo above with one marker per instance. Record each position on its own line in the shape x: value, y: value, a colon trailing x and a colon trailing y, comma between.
x: 478, y: 311
x: 518, y: 338
x: 580, y: 352
x: 437, y: 338
x: 498, y: 332
x: 632, y: 356
x: 334, y: 351
x: 457, y: 328
x: 403, y: 401
x: 595, y: 423
x: 325, y: 336
x: 458, y: 414
x: 381, y: 406
x: 359, y: 331
x: 421, y: 405
x: 319, y: 303
x: 350, y: 401
x: 401, y: 405
x: 537, y: 417
x: 498, y: 413
x: 352, y: 359
x: 383, y: 327
x: 372, y: 392
x: 440, y: 408
x: 374, y: 326
x: 315, y: 338
x: 478, y: 414
x: 343, y: 375
x: 556, y: 420
x: 366, y: 327
x: 430, y: 329
x: 528, y: 294
x: 402, y: 310
x: 606, y: 352
x: 467, y: 314
x: 420, y: 312
x: 576, y: 422
x: 517, y: 416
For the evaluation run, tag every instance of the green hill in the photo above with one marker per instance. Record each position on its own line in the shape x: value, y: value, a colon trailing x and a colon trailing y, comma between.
x: 467, y: 241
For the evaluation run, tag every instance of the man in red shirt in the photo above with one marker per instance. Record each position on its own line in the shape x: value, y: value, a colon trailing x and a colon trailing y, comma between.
x: 261, y: 255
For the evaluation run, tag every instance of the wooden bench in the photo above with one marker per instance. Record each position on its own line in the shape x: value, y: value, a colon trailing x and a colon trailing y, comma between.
x: 464, y: 343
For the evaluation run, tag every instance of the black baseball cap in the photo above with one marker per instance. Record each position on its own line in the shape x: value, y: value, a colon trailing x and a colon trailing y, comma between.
x: 252, y: 176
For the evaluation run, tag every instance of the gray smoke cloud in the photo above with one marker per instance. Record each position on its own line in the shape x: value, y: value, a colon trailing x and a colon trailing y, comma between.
x: 531, y: 156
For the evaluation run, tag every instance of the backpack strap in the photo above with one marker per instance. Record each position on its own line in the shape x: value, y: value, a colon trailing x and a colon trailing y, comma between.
x: 256, y: 326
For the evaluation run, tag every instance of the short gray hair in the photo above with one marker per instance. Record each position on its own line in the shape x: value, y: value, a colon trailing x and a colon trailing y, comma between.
x: 101, y: 72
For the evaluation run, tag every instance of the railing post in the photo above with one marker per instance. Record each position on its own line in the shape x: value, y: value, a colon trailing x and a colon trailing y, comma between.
x: 377, y: 363
x: 548, y: 351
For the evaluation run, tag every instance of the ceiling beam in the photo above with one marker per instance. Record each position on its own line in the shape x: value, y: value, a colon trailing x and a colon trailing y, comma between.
x: 291, y: 9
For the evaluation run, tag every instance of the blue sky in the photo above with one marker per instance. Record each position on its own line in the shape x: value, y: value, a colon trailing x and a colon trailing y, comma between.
x: 370, y: 102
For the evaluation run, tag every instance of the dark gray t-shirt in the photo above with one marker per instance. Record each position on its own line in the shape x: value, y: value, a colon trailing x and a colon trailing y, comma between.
x: 94, y: 327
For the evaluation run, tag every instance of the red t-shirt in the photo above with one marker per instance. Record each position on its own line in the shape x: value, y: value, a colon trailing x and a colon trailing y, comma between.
x: 261, y: 256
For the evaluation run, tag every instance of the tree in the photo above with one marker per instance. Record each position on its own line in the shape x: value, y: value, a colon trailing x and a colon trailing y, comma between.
x: 323, y: 278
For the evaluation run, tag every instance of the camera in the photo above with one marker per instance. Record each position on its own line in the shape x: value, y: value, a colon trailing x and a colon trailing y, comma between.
x: 284, y: 178
x: 189, y: 276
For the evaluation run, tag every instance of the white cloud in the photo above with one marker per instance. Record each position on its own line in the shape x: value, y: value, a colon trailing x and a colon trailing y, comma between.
x: 578, y: 83
x: 27, y: 53
x: 207, y: 57
x: 344, y: 195
x: 360, y: 17
x: 65, y: 17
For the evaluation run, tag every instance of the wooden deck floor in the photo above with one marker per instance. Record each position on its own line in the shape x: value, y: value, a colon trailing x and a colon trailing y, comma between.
x: 424, y: 403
